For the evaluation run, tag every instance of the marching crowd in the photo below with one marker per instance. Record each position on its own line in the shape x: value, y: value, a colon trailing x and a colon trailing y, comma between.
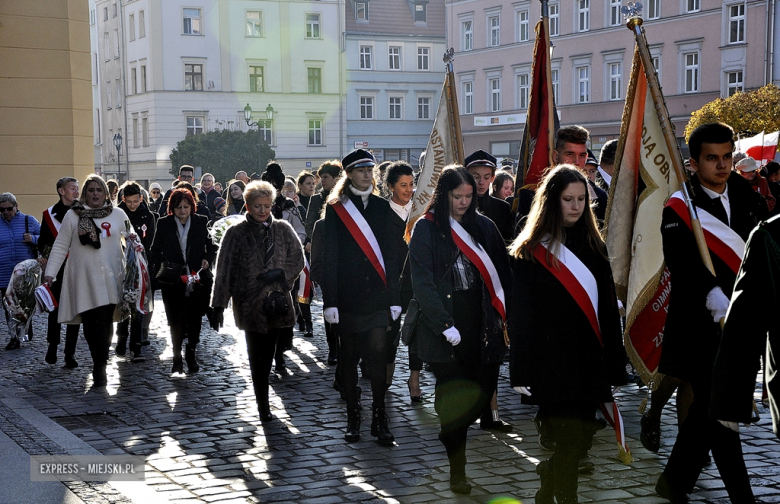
x: 474, y: 278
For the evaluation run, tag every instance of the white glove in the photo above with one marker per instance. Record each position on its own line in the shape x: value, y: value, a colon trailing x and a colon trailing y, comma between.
x: 717, y: 303
x: 452, y: 335
x: 395, y: 312
x: 730, y: 425
x: 331, y: 315
x: 523, y: 390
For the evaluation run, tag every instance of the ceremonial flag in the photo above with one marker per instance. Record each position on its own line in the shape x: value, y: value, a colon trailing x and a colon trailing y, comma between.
x: 761, y: 147
x: 444, y: 147
x: 643, y: 181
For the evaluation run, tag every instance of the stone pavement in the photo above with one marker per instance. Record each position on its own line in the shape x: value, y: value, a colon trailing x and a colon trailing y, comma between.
x: 203, y: 441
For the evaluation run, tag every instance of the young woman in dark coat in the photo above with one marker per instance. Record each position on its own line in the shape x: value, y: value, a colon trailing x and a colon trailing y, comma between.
x: 459, y: 332
x: 355, y: 295
x: 182, y: 238
x: 557, y: 360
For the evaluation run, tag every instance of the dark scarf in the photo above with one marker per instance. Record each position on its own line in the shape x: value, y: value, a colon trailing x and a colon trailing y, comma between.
x: 89, y: 234
x: 267, y: 238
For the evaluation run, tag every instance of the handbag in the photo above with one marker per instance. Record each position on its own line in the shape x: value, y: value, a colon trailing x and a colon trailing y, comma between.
x: 170, y: 272
x: 275, y: 305
x: 410, y: 321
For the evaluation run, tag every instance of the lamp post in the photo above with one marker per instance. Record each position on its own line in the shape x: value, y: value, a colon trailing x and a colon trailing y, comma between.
x: 269, y: 114
x: 118, y: 145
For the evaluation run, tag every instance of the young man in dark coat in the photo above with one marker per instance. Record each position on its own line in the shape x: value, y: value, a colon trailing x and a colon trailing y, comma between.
x: 68, y: 191
x: 698, y: 300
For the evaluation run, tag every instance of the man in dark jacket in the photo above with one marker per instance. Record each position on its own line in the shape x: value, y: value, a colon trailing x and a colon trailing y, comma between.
x: 483, y: 167
x: 698, y: 300
x: 186, y: 174
x: 68, y: 191
x: 144, y: 223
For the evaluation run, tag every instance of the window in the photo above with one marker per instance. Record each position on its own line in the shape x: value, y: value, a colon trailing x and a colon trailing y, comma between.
x: 522, y: 26
x: 118, y: 94
x: 131, y: 26
x: 143, y: 78
x: 193, y: 77
x: 394, y: 58
x: 583, y: 15
x: 95, y: 75
x: 315, y: 80
x: 694, y: 5
x: 736, y: 23
x: 423, y: 58
x: 256, y: 83
x: 523, y: 88
x: 653, y: 9
x: 583, y: 84
x: 254, y: 24
x: 315, y: 131
x: 97, y: 126
x: 116, y: 45
x: 494, y: 30
x: 365, y: 57
x: 108, y: 94
x: 92, y: 17
x: 734, y: 82
x: 313, y: 26
x: 420, y: 15
x: 615, y: 81
x: 555, y: 75
x: 657, y: 66
x: 192, y: 22
x: 106, y: 46
x: 135, y: 132
x: 691, y: 62
x: 468, y: 97
x: 105, y: 13
x: 423, y: 108
x: 614, y: 13
x: 555, y: 19
x: 396, y: 107
x: 141, y: 24
x: 467, y: 28
x: 361, y: 11
x: 145, y: 131
x: 494, y: 85
x: 266, y: 131
x: 366, y: 107
x: 134, y: 80
x: 114, y: 10
x: 194, y: 125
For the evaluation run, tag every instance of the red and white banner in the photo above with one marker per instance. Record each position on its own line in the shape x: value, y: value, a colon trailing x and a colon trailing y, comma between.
x: 723, y: 241
x: 577, y: 279
x: 762, y: 147
x: 304, y: 284
x: 362, y: 233
x: 479, y: 258
x: 615, y: 420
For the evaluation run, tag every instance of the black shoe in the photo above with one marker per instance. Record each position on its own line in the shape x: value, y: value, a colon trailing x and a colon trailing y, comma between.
x: 585, y: 466
x: 495, y: 425
x: 333, y: 358
x: 415, y: 399
x: 282, y: 371
x: 545, y: 436
x: 121, y: 346
x: 546, y: 492
x: 352, y: 433
x: 13, y: 344
x: 192, y: 361
x: 99, y: 378
x: 309, y: 332
x: 650, y: 435
x: 178, y: 365
x: 459, y: 485
x: 51, y: 354
x: 136, y: 356
x: 665, y: 491
x: 70, y: 362
x: 265, y: 411
x: 379, y: 427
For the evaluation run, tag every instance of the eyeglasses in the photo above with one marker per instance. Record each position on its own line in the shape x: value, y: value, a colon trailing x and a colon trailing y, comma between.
x: 6, y: 209
x: 185, y: 177
x: 155, y: 192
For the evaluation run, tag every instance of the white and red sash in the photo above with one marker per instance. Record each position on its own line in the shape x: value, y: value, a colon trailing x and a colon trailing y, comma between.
x: 54, y: 224
x: 362, y: 233
x: 304, y: 284
x: 723, y: 241
x: 479, y: 258
x: 576, y: 279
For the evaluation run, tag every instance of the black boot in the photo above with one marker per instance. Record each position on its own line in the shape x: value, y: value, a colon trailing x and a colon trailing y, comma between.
x: 99, y: 378
x: 353, y: 425
x: 379, y: 427
x: 51, y: 354
x: 546, y: 492
x: 263, y: 406
x: 192, y: 362
x: 121, y: 346
x: 309, y: 332
x: 70, y: 362
x: 178, y: 364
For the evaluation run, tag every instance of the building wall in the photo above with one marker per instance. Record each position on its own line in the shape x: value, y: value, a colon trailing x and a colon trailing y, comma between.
x: 45, y: 98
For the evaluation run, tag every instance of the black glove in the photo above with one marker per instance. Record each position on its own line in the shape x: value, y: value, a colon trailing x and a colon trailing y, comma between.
x: 271, y: 276
x: 217, y: 319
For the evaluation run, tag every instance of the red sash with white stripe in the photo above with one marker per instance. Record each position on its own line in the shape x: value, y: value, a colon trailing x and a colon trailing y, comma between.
x: 479, y: 258
x: 723, y: 241
x: 304, y: 284
x: 362, y: 233
x: 54, y: 224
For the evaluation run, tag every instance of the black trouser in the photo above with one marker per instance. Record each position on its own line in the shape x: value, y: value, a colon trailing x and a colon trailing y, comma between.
x: 261, y: 349
x: 98, y: 324
x: 135, y: 325
x: 371, y: 346
x: 283, y: 343
x: 697, y: 436
x: 53, y: 333
x: 571, y: 425
x: 187, y: 328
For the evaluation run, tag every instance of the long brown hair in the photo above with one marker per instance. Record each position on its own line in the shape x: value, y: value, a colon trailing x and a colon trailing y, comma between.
x: 546, y: 220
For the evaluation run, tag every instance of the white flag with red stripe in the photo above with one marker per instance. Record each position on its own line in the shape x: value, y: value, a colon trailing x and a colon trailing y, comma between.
x: 762, y: 147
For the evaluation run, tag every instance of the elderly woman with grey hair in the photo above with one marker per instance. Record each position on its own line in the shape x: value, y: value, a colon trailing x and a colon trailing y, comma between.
x: 259, y: 260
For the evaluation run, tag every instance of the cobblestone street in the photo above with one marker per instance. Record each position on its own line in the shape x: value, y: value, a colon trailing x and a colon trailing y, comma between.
x: 203, y: 441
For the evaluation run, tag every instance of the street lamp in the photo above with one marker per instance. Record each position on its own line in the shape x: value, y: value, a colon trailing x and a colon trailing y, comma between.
x: 118, y: 145
x: 269, y: 114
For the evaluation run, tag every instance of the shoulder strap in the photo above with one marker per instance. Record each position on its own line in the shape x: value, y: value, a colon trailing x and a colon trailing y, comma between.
x: 26, y: 223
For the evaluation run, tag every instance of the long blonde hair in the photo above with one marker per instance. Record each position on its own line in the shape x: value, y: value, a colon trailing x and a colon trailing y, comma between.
x: 545, y: 221
x: 339, y: 190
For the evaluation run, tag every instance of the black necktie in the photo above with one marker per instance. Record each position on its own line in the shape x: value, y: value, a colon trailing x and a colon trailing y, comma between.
x: 719, y: 211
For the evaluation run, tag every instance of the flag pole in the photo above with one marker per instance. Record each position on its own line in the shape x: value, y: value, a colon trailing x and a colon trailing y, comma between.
x: 452, y: 101
x: 633, y: 12
x: 548, y: 71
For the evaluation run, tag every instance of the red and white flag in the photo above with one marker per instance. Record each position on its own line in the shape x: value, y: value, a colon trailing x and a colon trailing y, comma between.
x: 762, y: 147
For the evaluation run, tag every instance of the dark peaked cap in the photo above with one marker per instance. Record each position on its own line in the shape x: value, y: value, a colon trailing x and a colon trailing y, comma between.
x: 358, y: 158
x: 481, y: 158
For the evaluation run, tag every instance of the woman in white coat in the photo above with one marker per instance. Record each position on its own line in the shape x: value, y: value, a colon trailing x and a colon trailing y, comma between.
x: 91, y: 239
